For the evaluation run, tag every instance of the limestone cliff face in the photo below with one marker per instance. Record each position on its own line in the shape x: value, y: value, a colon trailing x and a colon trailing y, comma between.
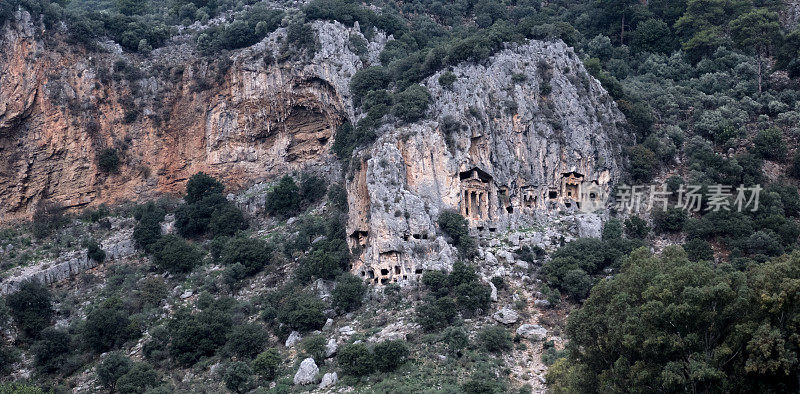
x: 520, y: 137
x: 524, y: 136
x: 244, y: 118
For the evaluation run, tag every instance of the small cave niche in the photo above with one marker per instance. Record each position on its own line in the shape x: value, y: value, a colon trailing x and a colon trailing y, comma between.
x: 417, y: 236
x: 397, y: 270
x: 418, y: 271
x: 552, y: 194
x: 359, y: 237
x: 510, y: 209
x: 384, y: 271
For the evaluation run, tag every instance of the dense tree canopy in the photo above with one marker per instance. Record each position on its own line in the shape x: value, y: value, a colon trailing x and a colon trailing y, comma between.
x: 642, y: 328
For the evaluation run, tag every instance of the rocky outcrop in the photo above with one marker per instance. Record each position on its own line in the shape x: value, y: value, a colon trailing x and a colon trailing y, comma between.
x: 69, y: 264
x: 506, y: 316
x: 243, y: 117
x: 515, y: 140
x: 790, y: 14
x: 308, y: 372
x: 328, y: 380
x: 524, y: 136
x: 532, y: 331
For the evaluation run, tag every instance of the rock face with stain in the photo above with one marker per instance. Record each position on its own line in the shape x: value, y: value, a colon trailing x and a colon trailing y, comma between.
x: 520, y: 136
x: 242, y: 117
x: 527, y: 134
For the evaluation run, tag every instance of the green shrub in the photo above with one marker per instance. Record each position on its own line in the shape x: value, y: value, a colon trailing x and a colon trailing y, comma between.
x: 8, y: 357
x: 764, y: 243
x: 94, y: 215
x: 337, y: 197
x: 410, y: 105
x: 330, y: 257
x: 389, y: 355
x: 108, y: 326
x: 321, y: 264
x: 699, y: 250
x: 194, y: 219
x: 148, y: 231
x: 238, y: 376
x: 113, y: 366
x: 20, y: 388
x: 495, y: 339
x: 268, y: 363
x: 437, y: 281
x: 314, y: 347
x: 348, y: 138
x: 247, y: 340
x: 356, y: 360
x: 437, y: 314
x: 284, y: 199
x: 447, y: 79
x: 472, y: 297
x: 253, y: 253
x: 302, y: 312
x: 456, y: 340
x: 108, y: 160
x: 196, y: 335
x: 138, y: 379
x: 652, y: 35
x: 643, y: 163
x: 94, y: 252
x: 151, y: 291
x: 31, y: 307
x: 51, y: 350
x: 302, y: 37
x: 47, y: 218
x: 348, y: 293
x: 368, y: 79
x: 457, y: 228
x: 636, y: 227
x: 769, y: 144
x: 312, y: 188
x: 248, y: 29
x: 654, y: 287
x: 207, y: 209
x: 200, y: 186
x: 462, y: 274
x: 612, y: 230
x: 669, y: 221
x: 175, y: 254
x: 483, y: 385
x: 226, y: 220
x: 498, y: 282
x: 576, y: 283
x: 528, y: 254
x: 794, y: 169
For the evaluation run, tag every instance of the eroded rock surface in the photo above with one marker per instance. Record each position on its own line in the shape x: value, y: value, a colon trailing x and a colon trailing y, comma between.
x: 516, y: 140
x: 499, y: 148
